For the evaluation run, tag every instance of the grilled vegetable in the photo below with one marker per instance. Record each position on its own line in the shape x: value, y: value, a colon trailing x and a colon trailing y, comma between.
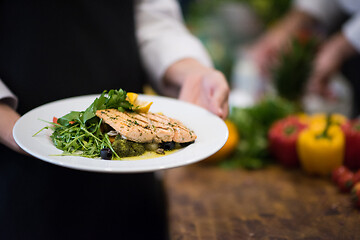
x: 126, y: 148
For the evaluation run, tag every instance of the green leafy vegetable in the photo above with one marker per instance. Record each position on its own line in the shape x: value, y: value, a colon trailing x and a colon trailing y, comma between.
x: 253, y: 124
x: 125, y: 148
x: 113, y: 99
x: 79, y: 141
x: 78, y: 133
x: 291, y: 73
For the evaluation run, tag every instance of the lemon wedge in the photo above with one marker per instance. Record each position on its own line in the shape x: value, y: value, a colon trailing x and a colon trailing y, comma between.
x: 132, y: 97
x: 138, y: 105
x: 142, y: 106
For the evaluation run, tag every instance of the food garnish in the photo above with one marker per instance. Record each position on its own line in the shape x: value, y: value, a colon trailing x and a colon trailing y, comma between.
x: 117, y: 125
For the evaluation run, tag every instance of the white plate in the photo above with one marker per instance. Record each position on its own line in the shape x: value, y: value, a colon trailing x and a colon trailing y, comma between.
x: 211, y: 134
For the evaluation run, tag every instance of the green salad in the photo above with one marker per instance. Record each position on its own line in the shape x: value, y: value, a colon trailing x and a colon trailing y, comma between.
x: 80, y: 133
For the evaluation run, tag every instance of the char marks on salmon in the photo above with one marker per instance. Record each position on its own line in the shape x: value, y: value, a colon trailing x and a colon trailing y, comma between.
x: 146, y: 127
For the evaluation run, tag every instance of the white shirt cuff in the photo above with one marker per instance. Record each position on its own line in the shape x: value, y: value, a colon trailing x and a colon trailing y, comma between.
x: 351, y: 31
x: 7, y: 96
x: 325, y: 11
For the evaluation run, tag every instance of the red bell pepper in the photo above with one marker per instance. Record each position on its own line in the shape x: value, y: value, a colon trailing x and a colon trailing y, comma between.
x: 351, y: 130
x: 283, y: 135
x: 357, y: 176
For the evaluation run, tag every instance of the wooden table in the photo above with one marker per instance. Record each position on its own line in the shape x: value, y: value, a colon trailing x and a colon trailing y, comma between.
x: 207, y: 202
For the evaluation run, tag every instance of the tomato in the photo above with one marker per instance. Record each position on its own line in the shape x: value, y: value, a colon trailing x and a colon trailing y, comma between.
x: 346, y: 181
x: 55, y: 120
x: 338, y: 172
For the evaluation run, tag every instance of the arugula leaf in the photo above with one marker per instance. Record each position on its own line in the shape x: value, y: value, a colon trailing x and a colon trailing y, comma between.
x: 78, y: 133
x: 113, y: 99
x: 90, y: 112
x: 72, y: 116
x: 76, y: 140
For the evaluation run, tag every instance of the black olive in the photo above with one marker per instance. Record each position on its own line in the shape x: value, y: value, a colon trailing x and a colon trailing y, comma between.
x: 167, y: 145
x: 106, y: 153
x: 185, y: 144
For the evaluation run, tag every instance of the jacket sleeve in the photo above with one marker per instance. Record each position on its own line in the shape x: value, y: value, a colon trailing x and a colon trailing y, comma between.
x: 7, y: 96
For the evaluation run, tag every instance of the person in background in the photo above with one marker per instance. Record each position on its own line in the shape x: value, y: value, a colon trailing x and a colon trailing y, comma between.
x: 51, y: 50
x: 340, y: 50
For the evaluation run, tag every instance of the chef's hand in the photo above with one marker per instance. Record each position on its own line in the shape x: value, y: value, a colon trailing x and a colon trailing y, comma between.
x: 8, y: 117
x: 200, y: 85
x: 328, y: 61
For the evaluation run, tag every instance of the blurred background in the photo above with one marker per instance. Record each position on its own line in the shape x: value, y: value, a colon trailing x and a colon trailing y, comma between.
x: 228, y: 27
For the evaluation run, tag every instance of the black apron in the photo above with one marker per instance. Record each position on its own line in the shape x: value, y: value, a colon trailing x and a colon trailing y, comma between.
x: 53, y: 49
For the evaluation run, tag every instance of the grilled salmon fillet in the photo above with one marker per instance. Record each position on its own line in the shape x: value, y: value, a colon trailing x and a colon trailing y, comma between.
x: 146, y: 127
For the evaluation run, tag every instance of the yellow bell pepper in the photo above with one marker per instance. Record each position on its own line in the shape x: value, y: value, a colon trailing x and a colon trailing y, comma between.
x: 321, y: 148
x: 318, y: 121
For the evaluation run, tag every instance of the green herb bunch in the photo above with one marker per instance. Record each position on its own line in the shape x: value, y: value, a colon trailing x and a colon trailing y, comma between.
x: 291, y: 73
x: 79, y: 132
x: 253, y: 124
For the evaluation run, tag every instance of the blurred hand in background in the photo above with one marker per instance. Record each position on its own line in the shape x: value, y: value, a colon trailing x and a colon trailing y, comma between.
x: 265, y: 52
x: 334, y: 49
x: 328, y: 61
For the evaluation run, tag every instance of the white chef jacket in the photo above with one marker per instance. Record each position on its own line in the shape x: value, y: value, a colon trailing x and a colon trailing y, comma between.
x: 162, y: 38
x: 328, y: 11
